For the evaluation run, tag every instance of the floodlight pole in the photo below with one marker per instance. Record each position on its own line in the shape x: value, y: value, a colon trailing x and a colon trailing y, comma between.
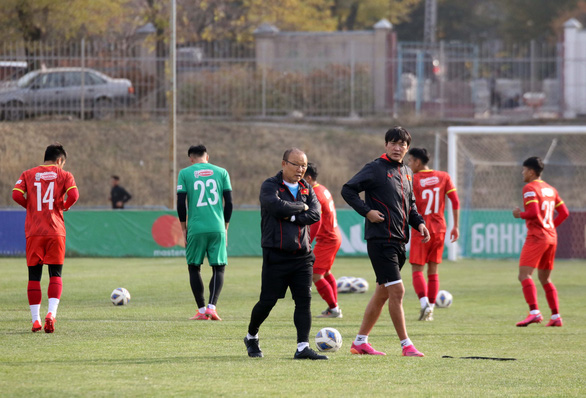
x: 173, y: 105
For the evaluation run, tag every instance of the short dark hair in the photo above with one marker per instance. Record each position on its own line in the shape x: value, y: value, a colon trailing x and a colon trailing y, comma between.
x: 116, y: 178
x: 54, y: 152
x: 311, y: 171
x: 398, y: 133
x: 288, y: 152
x: 197, y: 150
x: 534, y: 163
x: 420, y: 153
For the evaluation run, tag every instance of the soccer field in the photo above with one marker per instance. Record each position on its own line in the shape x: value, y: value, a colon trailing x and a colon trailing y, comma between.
x: 151, y: 348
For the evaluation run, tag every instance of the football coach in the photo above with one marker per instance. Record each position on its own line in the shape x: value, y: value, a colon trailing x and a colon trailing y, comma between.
x: 288, y: 206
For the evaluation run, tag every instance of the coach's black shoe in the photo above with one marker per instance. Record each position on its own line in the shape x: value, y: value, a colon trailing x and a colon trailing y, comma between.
x: 308, y: 353
x: 253, y: 348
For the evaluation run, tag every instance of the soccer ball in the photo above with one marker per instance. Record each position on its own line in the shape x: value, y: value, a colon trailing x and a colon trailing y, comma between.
x: 443, y: 299
x: 328, y: 340
x: 344, y: 284
x: 120, y: 296
x: 359, y: 285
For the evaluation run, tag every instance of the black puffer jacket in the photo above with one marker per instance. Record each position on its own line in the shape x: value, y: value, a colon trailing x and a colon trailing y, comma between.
x: 388, y: 187
x: 277, y: 208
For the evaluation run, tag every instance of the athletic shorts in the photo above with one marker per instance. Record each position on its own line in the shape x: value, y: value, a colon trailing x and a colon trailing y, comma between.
x: 422, y: 253
x: 325, y: 253
x: 45, y: 250
x: 212, y: 244
x: 537, y: 254
x: 387, y: 259
x: 282, y: 270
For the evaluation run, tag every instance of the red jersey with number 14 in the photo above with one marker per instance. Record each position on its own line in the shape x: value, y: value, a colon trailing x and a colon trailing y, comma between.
x: 548, y: 200
x: 45, y: 187
x: 430, y: 188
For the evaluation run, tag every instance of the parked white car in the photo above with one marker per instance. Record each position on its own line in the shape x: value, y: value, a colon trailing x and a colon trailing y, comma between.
x: 62, y: 91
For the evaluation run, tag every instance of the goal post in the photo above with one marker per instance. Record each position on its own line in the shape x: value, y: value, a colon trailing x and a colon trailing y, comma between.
x: 484, y: 163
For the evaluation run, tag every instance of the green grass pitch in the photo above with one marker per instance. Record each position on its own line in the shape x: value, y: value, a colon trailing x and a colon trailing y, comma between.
x: 151, y: 348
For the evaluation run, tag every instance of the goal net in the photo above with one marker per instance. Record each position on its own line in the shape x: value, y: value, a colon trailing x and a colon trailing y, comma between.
x: 485, y: 163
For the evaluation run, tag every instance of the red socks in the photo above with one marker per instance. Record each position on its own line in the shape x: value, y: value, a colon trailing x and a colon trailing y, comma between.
x: 34, y: 292
x: 530, y: 293
x: 332, y: 281
x: 432, y: 287
x: 55, y: 287
x: 419, y: 284
x: 551, y: 294
x: 325, y: 291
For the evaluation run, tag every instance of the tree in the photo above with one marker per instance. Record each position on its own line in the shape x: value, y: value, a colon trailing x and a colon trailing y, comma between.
x: 363, y: 14
x: 532, y: 19
x: 34, y: 21
x: 477, y: 20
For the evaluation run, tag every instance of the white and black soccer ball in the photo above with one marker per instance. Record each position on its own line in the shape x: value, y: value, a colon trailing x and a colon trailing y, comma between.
x: 120, y: 296
x: 344, y: 284
x: 443, y: 299
x: 328, y: 340
x: 359, y: 285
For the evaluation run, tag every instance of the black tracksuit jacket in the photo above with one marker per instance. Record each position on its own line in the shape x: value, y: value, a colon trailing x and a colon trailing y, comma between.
x: 277, y: 206
x: 388, y: 188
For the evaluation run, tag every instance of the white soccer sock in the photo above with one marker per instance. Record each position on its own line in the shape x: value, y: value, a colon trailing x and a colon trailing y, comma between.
x: 251, y: 337
x: 424, y: 301
x: 361, y: 339
x: 555, y: 316
x: 406, y: 343
x: 534, y: 312
x: 302, y: 346
x: 202, y: 310
x: 336, y: 308
x: 36, y: 312
x: 53, y: 304
x: 211, y: 306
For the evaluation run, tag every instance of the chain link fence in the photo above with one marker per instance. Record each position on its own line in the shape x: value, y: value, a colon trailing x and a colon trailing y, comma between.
x: 309, y: 80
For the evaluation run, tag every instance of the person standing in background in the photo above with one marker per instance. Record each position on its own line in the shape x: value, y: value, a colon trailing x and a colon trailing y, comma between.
x: 328, y: 240
x: 118, y: 195
x: 540, y: 200
x: 430, y: 188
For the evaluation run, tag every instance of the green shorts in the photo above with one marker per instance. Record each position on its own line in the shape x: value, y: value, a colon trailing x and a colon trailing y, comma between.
x: 213, y: 244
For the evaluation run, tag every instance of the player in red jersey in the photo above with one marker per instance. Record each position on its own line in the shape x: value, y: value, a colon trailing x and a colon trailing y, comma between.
x: 41, y: 191
x: 540, y: 200
x: 328, y: 240
x: 430, y: 188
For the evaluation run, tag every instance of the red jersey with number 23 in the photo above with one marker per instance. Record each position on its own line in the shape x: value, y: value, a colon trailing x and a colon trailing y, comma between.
x: 548, y: 200
x: 430, y: 188
x: 45, y: 187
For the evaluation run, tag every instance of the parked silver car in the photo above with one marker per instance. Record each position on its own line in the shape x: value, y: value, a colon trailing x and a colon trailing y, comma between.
x: 63, y: 91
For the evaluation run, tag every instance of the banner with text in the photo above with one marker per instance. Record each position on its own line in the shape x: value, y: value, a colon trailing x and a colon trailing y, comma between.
x: 129, y: 233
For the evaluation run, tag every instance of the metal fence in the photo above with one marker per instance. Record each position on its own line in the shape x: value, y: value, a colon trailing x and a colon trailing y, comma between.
x: 226, y: 80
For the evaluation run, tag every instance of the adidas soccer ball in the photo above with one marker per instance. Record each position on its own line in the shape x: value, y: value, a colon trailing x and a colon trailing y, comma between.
x: 344, y: 284
x: 328, y: 340
x: 443, y: 299
x: 120, y: 296
x: 359, y: 285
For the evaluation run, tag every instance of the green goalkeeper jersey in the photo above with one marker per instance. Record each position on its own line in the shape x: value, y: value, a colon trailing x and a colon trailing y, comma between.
x: 204, y: 184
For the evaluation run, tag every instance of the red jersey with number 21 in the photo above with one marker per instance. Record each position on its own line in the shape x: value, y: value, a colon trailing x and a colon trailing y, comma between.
x: 547, y: 199
x: 45, y: 187
x: 430, y: 188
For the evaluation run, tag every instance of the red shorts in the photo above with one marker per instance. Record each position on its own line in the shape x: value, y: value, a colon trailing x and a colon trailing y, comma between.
x: 422, y: 253
x: 325, y: 253
x: 537, y: 254
x: 45, y: 250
